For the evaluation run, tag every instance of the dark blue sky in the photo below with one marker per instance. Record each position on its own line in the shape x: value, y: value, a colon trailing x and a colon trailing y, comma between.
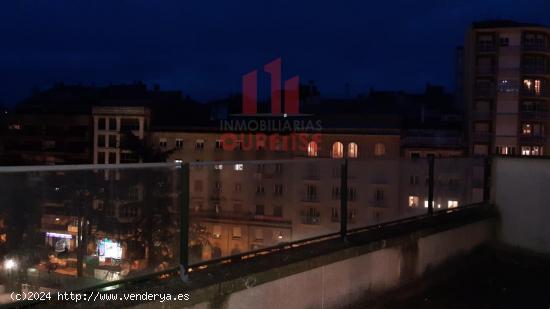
x: 203, y: 47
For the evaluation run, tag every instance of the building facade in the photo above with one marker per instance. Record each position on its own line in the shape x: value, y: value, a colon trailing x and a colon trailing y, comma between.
x: 506, y: 88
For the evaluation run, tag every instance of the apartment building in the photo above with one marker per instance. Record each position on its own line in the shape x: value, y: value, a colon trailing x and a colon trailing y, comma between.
x: 506, y: 88
x: 112, y: 125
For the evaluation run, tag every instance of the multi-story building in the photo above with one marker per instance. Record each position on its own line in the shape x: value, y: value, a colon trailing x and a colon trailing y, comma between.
x: 112, y: 126
x: 506, y: 88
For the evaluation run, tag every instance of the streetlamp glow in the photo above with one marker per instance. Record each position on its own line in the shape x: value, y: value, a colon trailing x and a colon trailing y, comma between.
x: 10, y: 264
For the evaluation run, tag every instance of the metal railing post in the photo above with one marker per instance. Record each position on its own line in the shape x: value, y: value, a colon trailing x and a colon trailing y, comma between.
x: 430, y: 184
x: 487, y: 180
x: 344, y: 200
x: 184, y: 223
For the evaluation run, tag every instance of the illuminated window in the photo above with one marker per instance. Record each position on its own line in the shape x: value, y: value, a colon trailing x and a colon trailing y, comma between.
x: 532, y: 85
x: 452, y: 204
x: 506, y: 150
x: 218, y: 167
x: 527, y: 129
x: 217, y: 231
x: 426, y: 203
x: 379, y: 149
x: 352, y: 150
x: 338, y: 150
x: 531, y: 150
x: 239, y: 167
x: 413, y: 201
x: 278, y: 235
x: 312, y: 149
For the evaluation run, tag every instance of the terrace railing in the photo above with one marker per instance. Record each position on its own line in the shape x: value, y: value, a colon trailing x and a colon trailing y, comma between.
x: 67, y: 228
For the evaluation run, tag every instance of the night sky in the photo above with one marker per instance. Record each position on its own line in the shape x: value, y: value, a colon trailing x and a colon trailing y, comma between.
x: 203, y: 47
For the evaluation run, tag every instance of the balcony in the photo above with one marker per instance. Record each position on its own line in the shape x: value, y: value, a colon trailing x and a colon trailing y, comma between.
x: 486, y: 48
x: 535, y: 70
x: 485, y: 92
x: 541, y: 47
x: 535, y: 114
x: 485, y: 70
x: 482, y: 115
x: 532, y: 139
x: 532, y: 93
x: 482, y: 135
x: 164, y: 232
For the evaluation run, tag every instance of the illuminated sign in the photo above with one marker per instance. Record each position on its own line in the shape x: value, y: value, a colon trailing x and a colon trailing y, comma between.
x: 110, y: 249
x: 59, y: 235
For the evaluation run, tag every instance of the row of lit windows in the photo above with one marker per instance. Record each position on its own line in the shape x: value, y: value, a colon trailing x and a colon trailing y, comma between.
x: 532, y: 86
x: 414, y: 201
x: 525, y: 150
x: 236, y: 233
x: 337, y: 150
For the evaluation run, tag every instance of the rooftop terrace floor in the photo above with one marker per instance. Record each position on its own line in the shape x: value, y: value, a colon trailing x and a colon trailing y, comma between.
x: 489, y: 278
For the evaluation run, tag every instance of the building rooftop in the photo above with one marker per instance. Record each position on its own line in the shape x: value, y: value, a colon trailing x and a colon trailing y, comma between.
x: 503, y: 23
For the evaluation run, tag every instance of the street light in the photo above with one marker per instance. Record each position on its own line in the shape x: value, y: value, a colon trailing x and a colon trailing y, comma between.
x: 10, y: 264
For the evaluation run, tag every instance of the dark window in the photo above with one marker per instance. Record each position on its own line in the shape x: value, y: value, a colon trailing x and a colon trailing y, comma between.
x: 112, y: 124
x: 112, y: 141
x: 100, y: 157
x: 112, y: 158
x: 504, y: 41
x: 334, y: 217
x: 260, y: 210
x: 101, y: 141
x: 101, y: 124
x: 129, y: 124
x: 310, y: 216
x: 278, y: 211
